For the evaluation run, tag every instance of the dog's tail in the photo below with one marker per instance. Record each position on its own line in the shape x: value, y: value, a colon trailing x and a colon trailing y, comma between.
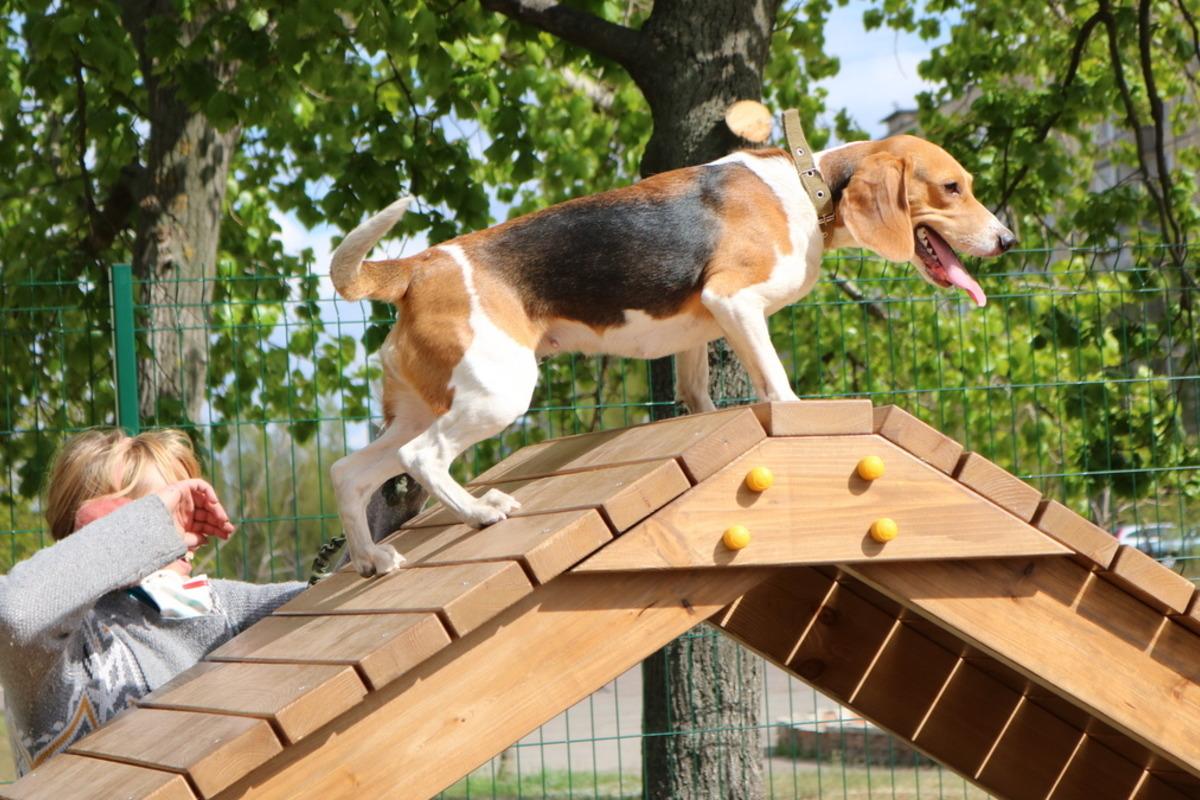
x: 355, y: 279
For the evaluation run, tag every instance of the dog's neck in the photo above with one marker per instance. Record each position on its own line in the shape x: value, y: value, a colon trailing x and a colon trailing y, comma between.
x: 837, y: 165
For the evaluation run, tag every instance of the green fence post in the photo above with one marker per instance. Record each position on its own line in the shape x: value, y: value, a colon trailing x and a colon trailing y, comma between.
x: 124, y: 350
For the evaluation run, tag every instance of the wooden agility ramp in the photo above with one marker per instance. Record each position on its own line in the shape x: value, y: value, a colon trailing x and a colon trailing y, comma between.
x: 1000, y: 633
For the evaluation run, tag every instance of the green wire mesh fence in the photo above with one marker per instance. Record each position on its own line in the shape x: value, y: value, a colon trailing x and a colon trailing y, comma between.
x: 1080, y: 376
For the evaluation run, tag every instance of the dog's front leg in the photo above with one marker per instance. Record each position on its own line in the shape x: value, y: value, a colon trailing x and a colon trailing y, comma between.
x: 743, y: 320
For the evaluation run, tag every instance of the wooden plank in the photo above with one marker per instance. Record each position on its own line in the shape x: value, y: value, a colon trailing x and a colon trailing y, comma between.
x: 71, y: 777
x: 756, y: 621
x: 1190, y: 619
x: 622, y: 494
x: 1154, y: 788
x: 485, y: 691
x: 381, y: 646
x: 837, y: 650
x: 702, y: 443
x: 1053, y: 622
x: 819, y: 512
x: 815, y: 417
x: 1030, y: 755
x: 1095, y: 771
x: 213, y: 750
x: 904, y: 681
x: 923, y: 441
x: 967, y: 719
x: 466, y: 595
x: 1093, y: 545
x: 1158, y: 587
x: 297, y: 698
x: 1002, y: 488
x: 547, y: 544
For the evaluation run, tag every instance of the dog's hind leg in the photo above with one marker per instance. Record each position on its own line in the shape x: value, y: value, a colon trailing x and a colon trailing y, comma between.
x: 357, y: 475
x: 492, y: 388
x: 691, y: 379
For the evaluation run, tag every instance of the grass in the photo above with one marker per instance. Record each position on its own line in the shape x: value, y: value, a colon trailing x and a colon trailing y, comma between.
x: 800, y: 780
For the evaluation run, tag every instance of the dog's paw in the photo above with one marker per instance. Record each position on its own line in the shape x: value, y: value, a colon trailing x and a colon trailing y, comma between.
x: 500, y: 501
x: 379, y: 560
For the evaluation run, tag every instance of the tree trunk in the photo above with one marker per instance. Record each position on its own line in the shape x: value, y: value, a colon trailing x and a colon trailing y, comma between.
x: 701, y: 694
x: 179, y: 224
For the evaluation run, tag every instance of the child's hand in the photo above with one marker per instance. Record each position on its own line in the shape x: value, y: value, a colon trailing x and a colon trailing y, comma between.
x: 197, y: 512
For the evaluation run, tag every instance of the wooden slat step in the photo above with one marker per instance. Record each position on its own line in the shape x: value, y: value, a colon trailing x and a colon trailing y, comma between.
x: 755, y: 619
x: 967, y: 719
x: 547, y: 544
x: 212, y: 750
x: 1190, y: 619
x: 1155, y: 788
x: 1030, y: 754
x: 71, y: 777
x: 923, y: 441
x: 840, y: 645
x: 466, y: 595
x: 296, y: 698
x: 381, y: 646
x: 905, y: 679
x: 1002, y: 488
x: 622, y: 494
x: 1158, y: 587
x: 820, y: 512
x: 1096, y: 771
x: 702, y: 443
x: 1053, y: 620
x: 1093, y: 545
x: 487, y: 690
x: 815, y: 417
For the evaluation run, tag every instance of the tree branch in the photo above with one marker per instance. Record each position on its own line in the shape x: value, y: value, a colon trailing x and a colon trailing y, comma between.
x: 1081, y: 40
x: 1157, y: 115
x: 608, y: 39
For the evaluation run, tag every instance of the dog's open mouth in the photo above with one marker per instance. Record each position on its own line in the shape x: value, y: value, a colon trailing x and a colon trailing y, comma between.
x: 942, y: 264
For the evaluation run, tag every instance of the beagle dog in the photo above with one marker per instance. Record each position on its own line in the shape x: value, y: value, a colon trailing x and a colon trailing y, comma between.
x: 658, y: 268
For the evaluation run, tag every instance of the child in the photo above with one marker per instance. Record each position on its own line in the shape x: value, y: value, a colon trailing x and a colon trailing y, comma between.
x: 108, y: 613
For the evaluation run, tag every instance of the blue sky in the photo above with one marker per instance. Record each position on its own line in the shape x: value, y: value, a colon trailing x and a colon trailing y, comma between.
x: 878, y: 75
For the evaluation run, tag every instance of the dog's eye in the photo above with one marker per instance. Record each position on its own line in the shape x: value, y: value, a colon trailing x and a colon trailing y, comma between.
x: 951, y: 187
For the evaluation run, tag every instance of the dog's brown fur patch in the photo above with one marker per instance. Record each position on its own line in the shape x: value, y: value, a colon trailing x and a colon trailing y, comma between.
x: 432, y: 332
x: 754, y: 232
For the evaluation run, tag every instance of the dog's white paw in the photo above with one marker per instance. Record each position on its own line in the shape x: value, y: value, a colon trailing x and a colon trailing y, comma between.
x: 506, y: 504
x: 379, y: 560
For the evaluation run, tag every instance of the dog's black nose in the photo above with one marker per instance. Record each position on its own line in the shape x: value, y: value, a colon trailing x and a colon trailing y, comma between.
x: 1005, y: 241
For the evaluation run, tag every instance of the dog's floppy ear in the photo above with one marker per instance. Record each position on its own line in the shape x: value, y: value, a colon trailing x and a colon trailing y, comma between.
x: 874, y: 206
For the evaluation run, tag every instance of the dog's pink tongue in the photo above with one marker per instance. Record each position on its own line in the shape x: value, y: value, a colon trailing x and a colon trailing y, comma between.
x: 963, y: 280
x: 955, y: 273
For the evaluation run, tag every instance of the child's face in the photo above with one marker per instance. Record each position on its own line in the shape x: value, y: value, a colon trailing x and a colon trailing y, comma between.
x: 153, y: 480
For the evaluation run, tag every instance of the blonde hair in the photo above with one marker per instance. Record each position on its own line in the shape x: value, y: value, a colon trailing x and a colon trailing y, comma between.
x: 103, y: 461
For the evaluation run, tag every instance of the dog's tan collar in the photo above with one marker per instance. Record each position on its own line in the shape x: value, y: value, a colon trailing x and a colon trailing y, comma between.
x: 810, y: 176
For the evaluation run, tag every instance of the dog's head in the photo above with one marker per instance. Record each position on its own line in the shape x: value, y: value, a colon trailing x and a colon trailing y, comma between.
x: 909, y: 200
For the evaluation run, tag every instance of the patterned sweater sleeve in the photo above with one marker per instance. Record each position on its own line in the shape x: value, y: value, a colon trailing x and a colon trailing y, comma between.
x: 43, y: 599
x: 246, y: 603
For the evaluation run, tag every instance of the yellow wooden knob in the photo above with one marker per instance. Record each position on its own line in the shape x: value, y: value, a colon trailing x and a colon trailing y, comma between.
x: 736, y: 537
x: 870, y: 468
x: 759, y: 479
x: 884, y: 529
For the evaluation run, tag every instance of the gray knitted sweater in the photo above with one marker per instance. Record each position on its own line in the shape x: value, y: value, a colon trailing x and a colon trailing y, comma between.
x: 76, y: 648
